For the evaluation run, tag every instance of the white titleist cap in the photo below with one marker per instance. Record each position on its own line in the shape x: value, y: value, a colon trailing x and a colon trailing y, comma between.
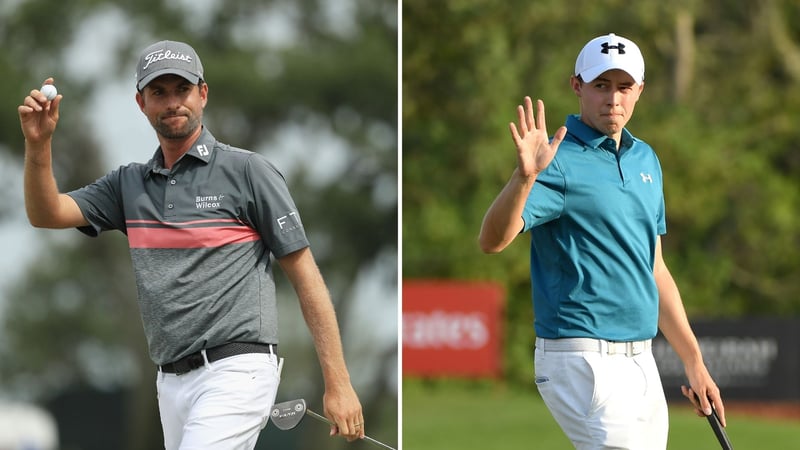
x: 610, y: 52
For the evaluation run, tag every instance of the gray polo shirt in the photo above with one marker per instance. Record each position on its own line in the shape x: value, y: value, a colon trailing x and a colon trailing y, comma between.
x: 200, y: 238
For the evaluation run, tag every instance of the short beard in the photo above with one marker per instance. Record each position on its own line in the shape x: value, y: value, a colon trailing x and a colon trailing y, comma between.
x: 181, y: 133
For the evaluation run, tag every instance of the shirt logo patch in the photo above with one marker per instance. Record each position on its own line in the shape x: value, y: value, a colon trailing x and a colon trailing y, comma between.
x: 202, y: 150
x: 289, y: 222
x: 208, y: 201
x: 646, y: 177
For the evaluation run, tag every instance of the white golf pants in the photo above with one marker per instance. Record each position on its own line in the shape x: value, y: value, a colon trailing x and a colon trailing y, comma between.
x: 221, y: 406
x: 604, y: 401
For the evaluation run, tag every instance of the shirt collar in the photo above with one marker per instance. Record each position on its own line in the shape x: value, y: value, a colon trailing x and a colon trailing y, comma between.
x: 593, y: 138
x: 201, y: 149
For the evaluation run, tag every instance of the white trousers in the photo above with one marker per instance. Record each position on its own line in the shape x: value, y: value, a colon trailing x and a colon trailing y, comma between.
x: 221, y: 406
x: 604, y: 401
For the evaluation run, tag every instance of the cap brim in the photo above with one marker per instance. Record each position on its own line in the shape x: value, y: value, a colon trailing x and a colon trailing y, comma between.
x: 591, y: 73
x: 192, y: 78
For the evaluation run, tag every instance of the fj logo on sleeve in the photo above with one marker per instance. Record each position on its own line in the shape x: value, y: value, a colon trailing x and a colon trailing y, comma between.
x: 289, y: 222
x: 646, y: 177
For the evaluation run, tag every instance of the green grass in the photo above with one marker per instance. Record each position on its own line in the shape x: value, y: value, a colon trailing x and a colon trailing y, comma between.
x: 482, y: 415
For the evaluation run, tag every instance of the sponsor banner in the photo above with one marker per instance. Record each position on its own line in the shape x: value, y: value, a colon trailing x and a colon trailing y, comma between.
x: 452, y: 328
x: 757, y: 358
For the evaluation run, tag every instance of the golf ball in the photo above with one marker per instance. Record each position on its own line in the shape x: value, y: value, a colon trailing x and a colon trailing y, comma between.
x: 49, y: 91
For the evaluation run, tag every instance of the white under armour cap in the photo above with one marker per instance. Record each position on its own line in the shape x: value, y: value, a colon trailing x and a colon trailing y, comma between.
x: 610, y: 52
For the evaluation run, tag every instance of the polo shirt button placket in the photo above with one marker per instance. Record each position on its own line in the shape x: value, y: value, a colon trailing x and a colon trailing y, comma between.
x: 169, y: 197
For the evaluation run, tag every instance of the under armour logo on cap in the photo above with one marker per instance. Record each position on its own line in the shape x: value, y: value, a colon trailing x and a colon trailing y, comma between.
x: 620, y: 48
x: 168, y: 57
x: 598, y: 56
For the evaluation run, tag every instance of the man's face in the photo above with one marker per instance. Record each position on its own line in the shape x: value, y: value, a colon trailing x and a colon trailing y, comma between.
x: 173, y: 105
x: 607, y: 102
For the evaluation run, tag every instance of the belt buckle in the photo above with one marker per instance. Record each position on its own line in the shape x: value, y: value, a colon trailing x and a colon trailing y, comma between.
x: 188, y: 364
x: 614, y: 347
x: 629, y: 348
x: 195, y: 361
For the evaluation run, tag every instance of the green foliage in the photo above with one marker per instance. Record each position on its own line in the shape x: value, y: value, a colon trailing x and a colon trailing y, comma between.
x: 74, y: 313
x: 719, y: 107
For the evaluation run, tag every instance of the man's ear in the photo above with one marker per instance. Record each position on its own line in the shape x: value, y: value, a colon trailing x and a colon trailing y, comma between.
x: 140, y: 100
x: 204, y: 93
x: 576, y: 84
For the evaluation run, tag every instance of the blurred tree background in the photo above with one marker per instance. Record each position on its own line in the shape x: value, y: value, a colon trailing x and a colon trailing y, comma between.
x: 312, y: 84
x: 720, y: 107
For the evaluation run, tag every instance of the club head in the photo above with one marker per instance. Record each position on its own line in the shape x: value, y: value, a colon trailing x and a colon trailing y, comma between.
x: 287, y: 415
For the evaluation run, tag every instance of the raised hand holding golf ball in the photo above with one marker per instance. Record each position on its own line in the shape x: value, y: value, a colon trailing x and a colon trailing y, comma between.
x: 49, y: 91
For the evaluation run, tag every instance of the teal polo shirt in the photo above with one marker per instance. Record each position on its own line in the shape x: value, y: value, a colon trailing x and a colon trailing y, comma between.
x: 201, y: 237
x: 594, y: 216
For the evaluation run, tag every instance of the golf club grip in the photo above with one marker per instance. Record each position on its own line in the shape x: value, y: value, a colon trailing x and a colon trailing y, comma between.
x: 325, y: 419
x: 719, y: 432
x: 722, y: 436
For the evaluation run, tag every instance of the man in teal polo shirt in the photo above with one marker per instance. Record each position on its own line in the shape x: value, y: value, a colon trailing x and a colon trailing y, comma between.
x: 592, y: 199
x: 203, y: 221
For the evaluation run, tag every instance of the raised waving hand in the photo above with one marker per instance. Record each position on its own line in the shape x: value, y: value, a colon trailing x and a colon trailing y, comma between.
x: 503, y: 220
x: 535, y: 151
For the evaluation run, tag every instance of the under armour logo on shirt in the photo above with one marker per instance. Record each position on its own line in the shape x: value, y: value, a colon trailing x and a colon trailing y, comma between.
x: 646, y: 177
x: 619, y: 47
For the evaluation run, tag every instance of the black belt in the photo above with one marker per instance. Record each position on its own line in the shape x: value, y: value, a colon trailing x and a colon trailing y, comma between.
x: 196, y: 360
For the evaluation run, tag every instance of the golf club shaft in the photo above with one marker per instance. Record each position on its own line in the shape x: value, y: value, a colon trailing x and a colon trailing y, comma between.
x: 719, y: 431
x: 722, y: 436
x: 325, y: 419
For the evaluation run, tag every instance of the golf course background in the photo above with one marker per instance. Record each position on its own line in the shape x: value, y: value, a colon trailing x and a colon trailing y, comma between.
x: 470, y: 415
x: 720, y: 108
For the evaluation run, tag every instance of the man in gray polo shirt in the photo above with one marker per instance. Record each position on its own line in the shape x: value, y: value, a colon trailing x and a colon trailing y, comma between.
x: 202, y: 219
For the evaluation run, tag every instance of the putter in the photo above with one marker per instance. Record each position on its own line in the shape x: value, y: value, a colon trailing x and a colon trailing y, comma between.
x: 719, y: 431
x: 288, y: 414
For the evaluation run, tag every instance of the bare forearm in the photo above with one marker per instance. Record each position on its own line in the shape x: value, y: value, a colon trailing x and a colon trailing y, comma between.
x: 319, y: 315
x: 503, y: 220
x: 535, y: 151
x: 673, y: 322
x: 321, y: 319
x: 43, y: 202
x: 341, y: 402
x: 675, y: 326
x: 45, y: 206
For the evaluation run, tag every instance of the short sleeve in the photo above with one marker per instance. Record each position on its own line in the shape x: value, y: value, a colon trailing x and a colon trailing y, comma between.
x: 546, y: 199
x: 661, y: 215
x: 101, y: 204
x: 271, y: 209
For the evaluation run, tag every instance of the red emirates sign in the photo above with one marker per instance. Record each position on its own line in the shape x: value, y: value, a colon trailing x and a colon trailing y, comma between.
x: 452, y: 328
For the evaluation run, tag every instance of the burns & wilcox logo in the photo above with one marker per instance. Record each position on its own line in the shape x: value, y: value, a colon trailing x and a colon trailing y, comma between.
x: 208, y: 201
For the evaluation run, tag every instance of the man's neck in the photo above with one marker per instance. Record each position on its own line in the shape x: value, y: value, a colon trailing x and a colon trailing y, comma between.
x: 174, y: 149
